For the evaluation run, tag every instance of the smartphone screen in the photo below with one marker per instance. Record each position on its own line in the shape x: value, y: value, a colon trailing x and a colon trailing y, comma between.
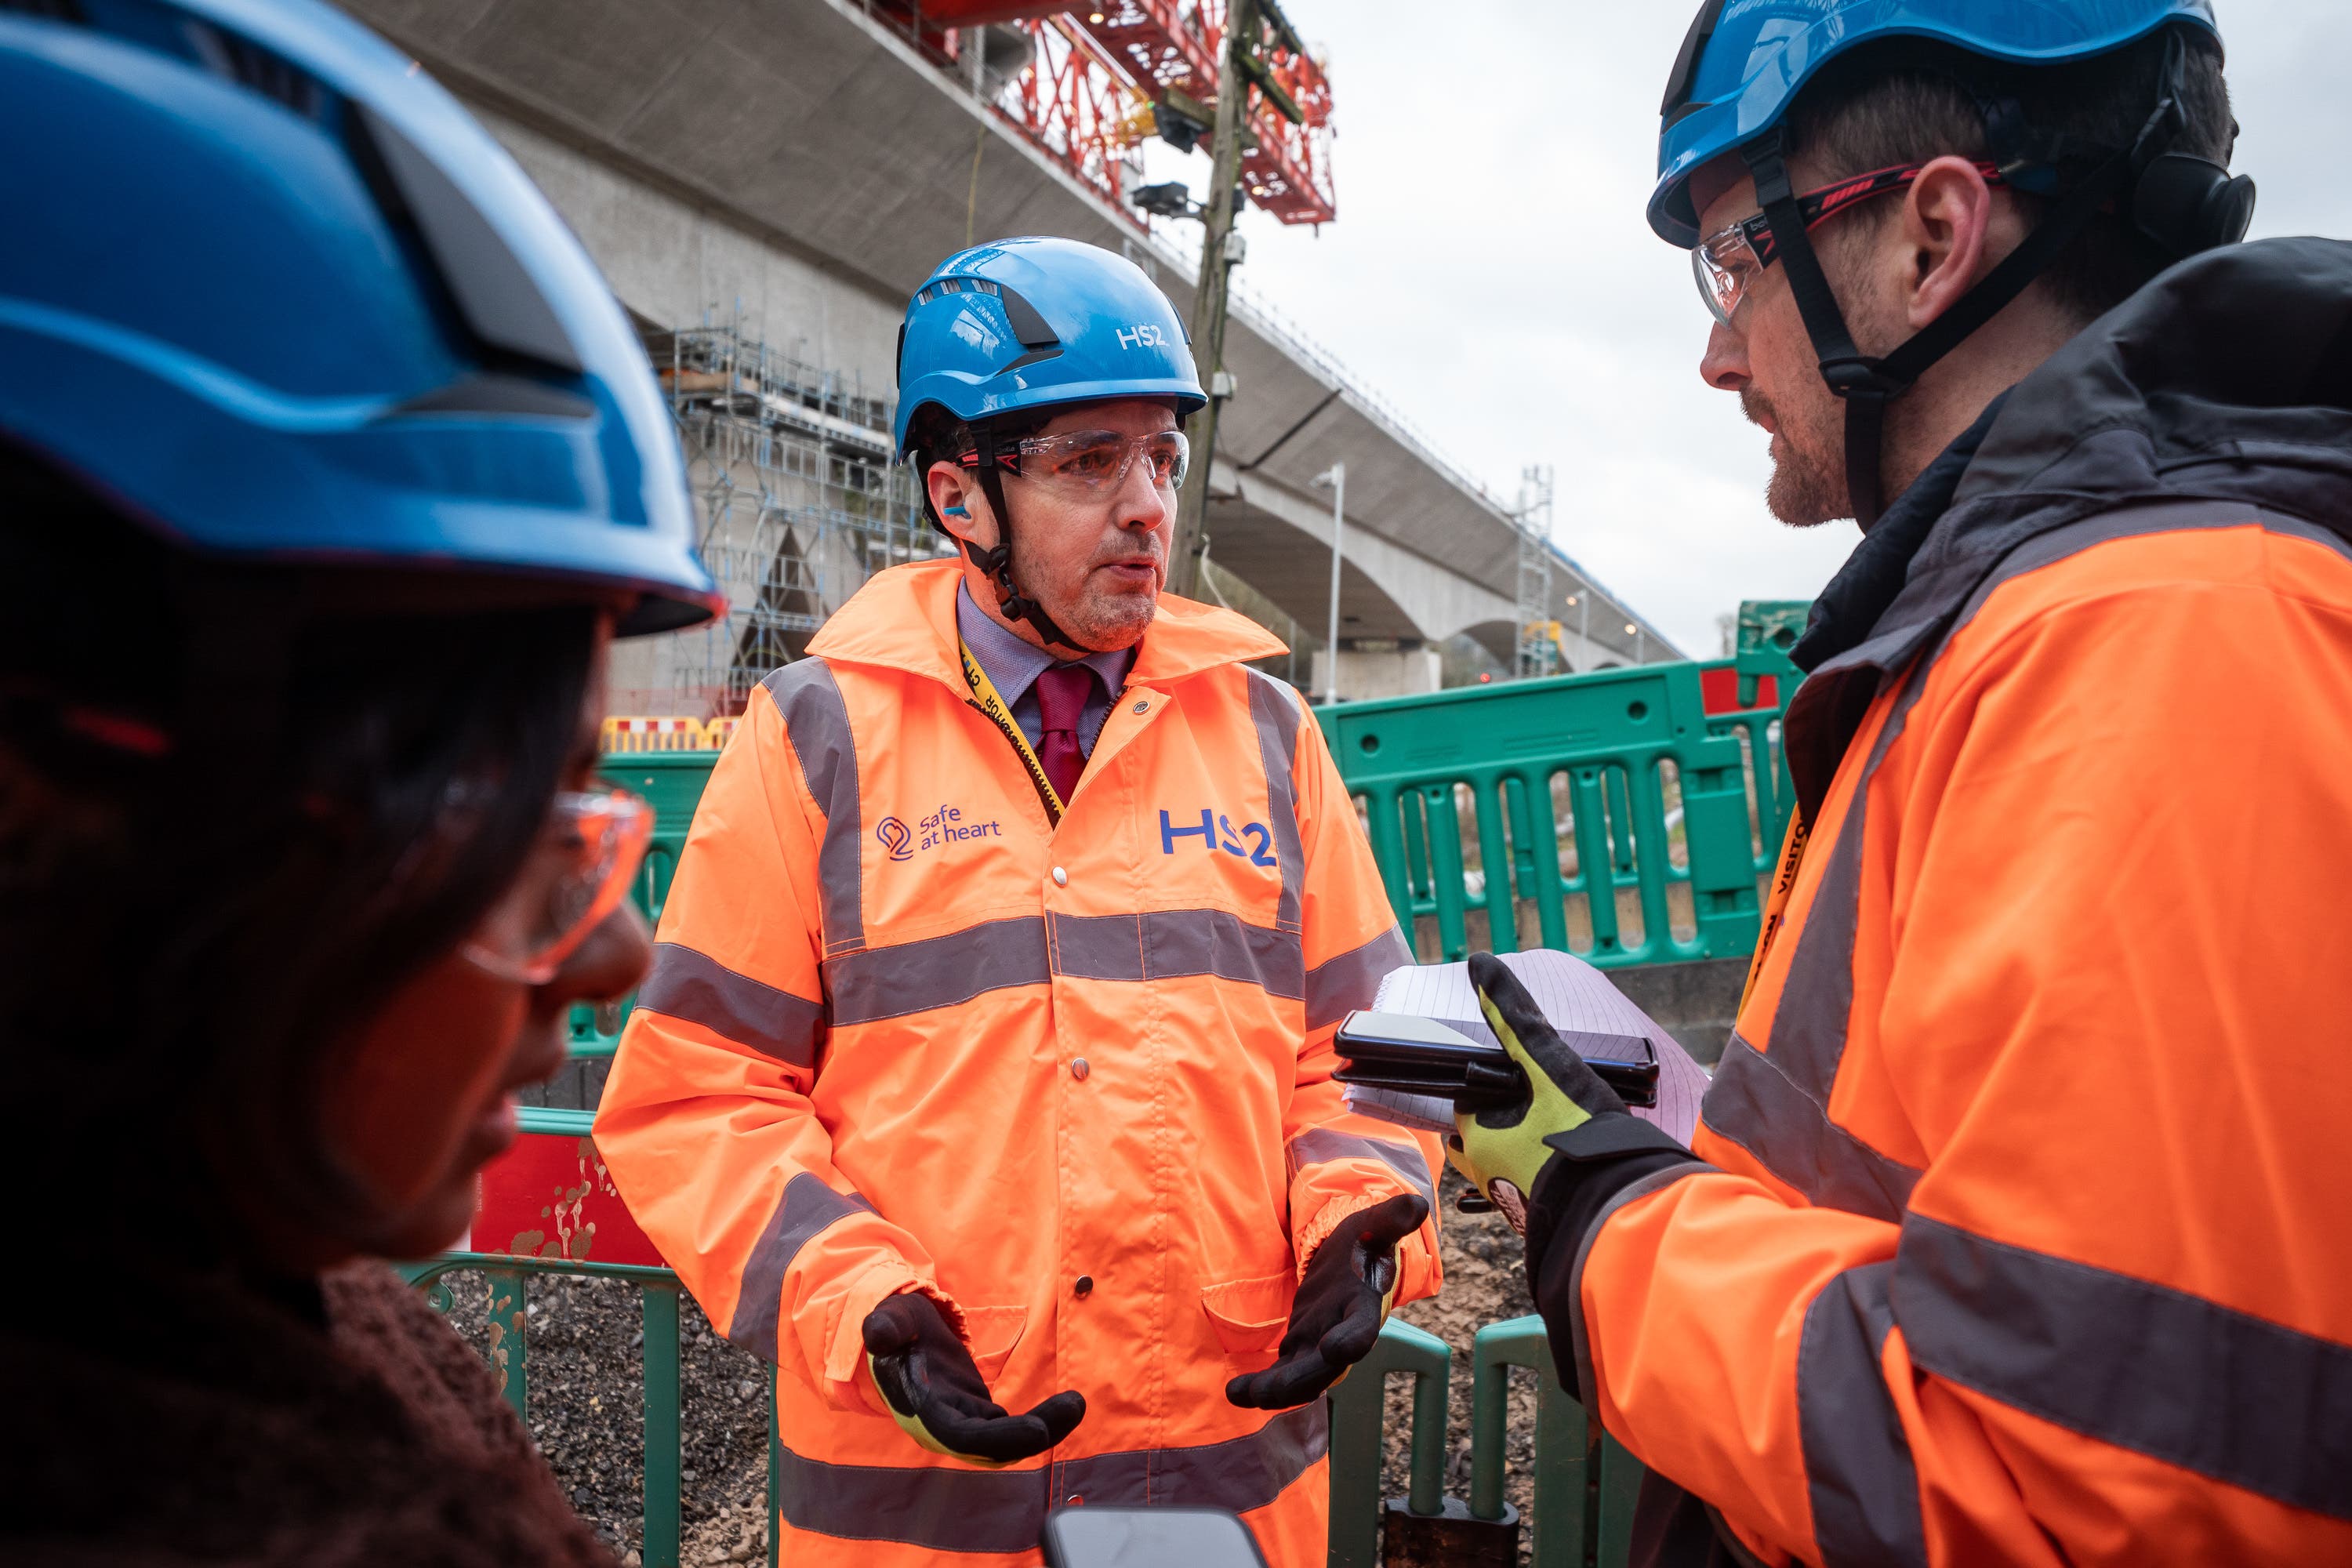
x: 1147, y: 1538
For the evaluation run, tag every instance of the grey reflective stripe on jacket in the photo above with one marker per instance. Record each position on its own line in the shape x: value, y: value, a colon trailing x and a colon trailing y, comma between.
x: 970, y: 1511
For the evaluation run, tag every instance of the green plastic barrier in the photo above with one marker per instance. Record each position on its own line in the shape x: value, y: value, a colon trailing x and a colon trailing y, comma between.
x: 1585, y: 1483
x: 1359, y: 1419
x: 1559, y: 797
x: 671, y: 783
x: 510, y: 1340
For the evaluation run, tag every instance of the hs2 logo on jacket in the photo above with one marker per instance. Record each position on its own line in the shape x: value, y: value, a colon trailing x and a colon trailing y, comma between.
x: 1253, y: 841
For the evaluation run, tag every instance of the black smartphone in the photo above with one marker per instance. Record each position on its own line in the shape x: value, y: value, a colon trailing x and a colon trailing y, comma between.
x: 1100, y: 1537
x: 1461, y: 1058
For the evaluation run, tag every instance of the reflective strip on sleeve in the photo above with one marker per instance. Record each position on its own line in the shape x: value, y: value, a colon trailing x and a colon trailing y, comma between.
x: 1321, y: 1145
x: 1274, y: 709
x: 965, y: 1510
x: 817, y: 720
x: 696, y: 988
x: 806, y: 1207
x: 2123, y: 1360
x: 1859, y: 1475
x: 1752, y: 1103
x: 947, y: 971
x: 1167, y: 944
x: 1337, y: 986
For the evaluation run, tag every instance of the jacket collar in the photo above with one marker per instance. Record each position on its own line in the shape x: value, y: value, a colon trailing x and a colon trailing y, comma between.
x: 905, y: 619
x: 2227, y: 378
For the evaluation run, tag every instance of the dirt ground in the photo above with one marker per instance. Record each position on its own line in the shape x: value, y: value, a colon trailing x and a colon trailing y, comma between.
x: 586, y: 1361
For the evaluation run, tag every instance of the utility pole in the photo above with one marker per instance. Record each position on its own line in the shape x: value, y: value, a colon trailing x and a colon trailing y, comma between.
x: 1239, y: 69
x: 1336, y: 477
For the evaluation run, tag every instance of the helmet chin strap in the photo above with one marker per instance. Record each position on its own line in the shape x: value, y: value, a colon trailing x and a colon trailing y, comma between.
x: 1869, y: 384
x: 1010, y: 602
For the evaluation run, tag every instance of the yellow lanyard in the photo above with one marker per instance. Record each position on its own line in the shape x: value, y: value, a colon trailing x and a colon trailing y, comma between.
x: 1000, y: 713
x: 1792, y: 852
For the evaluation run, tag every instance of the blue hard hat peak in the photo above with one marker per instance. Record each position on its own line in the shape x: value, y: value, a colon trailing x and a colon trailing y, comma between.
x: 1020, y: 325
x: 1744, y: 62
x: 291, y: 301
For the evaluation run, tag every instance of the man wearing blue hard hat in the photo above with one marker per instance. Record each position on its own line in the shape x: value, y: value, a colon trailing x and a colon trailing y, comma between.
x: 982, y: 1082
x: 2012, y: 1228
x: 329, y: 470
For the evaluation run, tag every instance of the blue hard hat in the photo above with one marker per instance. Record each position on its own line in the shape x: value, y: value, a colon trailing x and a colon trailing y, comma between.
x: 1030, y: 323
x: 1745, y: 61
x: 275, y: 293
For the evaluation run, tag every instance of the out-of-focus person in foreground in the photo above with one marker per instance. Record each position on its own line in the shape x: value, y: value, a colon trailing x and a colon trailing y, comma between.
x: 328, y: 470
x: 2013, y: 1229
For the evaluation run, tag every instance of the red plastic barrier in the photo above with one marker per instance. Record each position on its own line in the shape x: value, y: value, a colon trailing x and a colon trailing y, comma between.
x: 549, y: 1196
x: 1719, y: 691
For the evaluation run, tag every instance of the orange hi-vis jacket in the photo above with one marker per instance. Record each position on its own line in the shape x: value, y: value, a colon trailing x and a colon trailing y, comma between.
x: 1074, y: 1081
x: 2028, y: 1240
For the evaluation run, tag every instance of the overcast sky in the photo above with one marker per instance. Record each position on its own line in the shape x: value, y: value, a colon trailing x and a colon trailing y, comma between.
x: 1491, y: 274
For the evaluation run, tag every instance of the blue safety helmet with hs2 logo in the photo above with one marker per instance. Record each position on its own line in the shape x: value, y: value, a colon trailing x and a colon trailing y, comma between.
x: 1006, y: 333
x: 1018, y: 325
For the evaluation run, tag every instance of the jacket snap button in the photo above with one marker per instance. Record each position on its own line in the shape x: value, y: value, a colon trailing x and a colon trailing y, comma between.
x: 1085, y: 1285
x: 1061, y: 877
x: 1143, y: 707
x: 1079, y: 1068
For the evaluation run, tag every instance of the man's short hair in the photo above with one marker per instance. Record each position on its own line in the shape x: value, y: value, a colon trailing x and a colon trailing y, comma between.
x: 935, y: 435
x: 1907, y: 102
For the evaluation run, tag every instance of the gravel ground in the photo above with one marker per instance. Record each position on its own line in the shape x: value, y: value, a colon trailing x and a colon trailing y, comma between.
x: 586, y: 1369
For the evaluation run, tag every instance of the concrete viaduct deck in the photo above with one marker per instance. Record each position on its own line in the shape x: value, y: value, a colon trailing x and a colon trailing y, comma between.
x: 799, y: 163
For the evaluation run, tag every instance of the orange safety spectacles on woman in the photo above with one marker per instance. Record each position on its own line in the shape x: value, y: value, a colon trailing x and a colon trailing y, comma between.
x: 582, y: 868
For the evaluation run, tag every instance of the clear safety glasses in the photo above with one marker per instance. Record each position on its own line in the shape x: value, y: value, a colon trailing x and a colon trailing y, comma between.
x: 1730, y: 260
x: 586, y: 860
x: 1089, y: 464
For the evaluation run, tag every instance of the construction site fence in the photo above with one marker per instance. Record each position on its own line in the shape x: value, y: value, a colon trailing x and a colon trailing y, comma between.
x: 1583, y: 1488
x: 1628, y: 815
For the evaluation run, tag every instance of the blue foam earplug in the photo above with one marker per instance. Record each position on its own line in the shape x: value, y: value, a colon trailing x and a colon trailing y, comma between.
x: 958, y: 511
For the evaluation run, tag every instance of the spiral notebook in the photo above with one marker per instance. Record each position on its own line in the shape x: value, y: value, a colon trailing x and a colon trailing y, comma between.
x: 1573, y: 995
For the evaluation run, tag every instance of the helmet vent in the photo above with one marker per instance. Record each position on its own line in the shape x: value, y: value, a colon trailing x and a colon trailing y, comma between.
x: 255, y: 68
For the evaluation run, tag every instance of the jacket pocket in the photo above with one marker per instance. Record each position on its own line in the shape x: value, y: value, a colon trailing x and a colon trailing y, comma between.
x: 1249, y: 1315
x: 990, y: 1333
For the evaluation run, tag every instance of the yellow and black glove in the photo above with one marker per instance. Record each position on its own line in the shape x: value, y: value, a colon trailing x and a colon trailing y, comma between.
x: 1571, y: 1133
x: 1342, y: 1300
x: 935, y: 1391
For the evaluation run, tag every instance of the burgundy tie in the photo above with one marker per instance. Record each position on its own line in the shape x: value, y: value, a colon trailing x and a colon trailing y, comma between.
x: 1062, y: 693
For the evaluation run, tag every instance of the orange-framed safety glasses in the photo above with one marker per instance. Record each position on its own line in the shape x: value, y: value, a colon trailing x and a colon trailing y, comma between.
x: 582, y: 868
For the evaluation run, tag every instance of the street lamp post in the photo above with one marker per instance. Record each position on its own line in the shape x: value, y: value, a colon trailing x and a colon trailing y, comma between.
x: 1335, y: 479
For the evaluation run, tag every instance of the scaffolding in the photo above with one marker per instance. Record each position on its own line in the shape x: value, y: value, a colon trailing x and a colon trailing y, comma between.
x: 800, y: 503
x: 1538, y: 645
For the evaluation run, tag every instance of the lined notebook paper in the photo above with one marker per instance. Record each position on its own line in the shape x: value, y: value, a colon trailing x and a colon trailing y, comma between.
x: 1573, y: 995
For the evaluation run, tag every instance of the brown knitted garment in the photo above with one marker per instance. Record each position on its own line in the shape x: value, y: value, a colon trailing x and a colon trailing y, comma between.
x: 172, y: 1417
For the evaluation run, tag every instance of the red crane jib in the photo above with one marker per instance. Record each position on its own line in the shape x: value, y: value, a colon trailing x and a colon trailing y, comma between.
x: 1155, y: 45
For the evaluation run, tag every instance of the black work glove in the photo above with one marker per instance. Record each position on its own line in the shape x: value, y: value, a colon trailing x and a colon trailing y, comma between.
x: 932, y: 1387
x: 1341, y: 1305
x: 1571, y: 1131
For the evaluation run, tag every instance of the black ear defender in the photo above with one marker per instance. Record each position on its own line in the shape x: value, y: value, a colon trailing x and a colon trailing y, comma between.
x: 2187, y: 203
